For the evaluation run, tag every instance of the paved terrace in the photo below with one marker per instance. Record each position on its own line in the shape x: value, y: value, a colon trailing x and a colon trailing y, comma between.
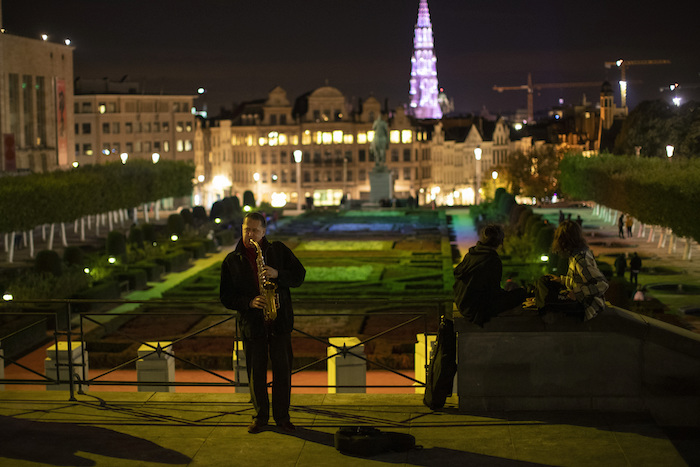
x: 143, y: 428
x: 150, y: 429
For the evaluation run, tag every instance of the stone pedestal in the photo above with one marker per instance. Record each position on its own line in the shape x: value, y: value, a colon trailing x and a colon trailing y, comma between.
x: 240, y: 369
x: 381, y: 185
x: 346, y: 369
x: 421, y: 360
x: 155, y: 367
x: 57, y: 357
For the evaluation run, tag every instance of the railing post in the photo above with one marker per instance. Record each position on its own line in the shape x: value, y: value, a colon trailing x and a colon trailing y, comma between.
x: 71, y: 387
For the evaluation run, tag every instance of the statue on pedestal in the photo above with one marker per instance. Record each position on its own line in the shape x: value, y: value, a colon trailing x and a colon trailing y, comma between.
x: 380, y: 143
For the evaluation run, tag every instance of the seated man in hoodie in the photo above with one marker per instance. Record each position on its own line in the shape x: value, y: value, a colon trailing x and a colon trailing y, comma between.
x: 478, y: 292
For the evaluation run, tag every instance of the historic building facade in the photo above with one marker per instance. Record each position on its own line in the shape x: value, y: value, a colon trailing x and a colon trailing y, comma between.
x: 36, y: 104
x: 253, y: 149
x: 114, y: 121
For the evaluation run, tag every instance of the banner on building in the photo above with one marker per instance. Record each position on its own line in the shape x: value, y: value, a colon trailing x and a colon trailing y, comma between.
x: 61, y: 122
x: 8, y: 149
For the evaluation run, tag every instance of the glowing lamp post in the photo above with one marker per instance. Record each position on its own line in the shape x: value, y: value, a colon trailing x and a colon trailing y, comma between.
x: 124, y: 157
x: 155, y: 157
x: 297, y: 160
x: 256, y: 177
x: 669, y: 152
x: 477, y: 156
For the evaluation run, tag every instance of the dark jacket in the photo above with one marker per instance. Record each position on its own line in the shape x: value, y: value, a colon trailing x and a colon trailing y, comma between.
x: 478, y: 283
x: 239, y: 286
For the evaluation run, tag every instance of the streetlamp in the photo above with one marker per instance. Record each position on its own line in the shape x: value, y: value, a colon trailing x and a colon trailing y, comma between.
x: 477, y: 168
x: 669, y: 152
x: 155, y: 157
x: 256, y: 177
x: 297, y: 160
x: 124, y: 156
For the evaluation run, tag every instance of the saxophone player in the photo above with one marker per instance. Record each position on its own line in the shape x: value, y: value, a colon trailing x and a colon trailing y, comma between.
x: 240, y: 290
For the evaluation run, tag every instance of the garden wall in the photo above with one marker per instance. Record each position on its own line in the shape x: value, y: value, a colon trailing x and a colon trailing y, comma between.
x: 619, y: 361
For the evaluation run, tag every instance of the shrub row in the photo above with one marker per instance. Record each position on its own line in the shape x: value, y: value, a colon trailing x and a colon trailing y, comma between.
x: 63, y: 196
x: 653, y: 190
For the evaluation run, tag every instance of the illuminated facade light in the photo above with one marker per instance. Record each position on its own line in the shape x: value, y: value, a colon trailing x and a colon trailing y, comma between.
x: 67, y: 41
x: 423, y: 89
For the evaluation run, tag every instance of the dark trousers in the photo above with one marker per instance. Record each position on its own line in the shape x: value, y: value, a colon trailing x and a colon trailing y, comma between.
x: 279, y: 349
x: 633, y: 276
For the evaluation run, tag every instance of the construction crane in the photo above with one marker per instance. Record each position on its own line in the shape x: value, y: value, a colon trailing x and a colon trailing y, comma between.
x: 530, y: 88
x: 622, y: 65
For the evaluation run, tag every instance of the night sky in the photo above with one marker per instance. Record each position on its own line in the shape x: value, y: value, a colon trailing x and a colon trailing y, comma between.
x: 239, y: 50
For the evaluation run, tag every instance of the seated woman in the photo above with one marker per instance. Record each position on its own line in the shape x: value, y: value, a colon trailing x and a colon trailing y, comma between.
x: 583, y: 281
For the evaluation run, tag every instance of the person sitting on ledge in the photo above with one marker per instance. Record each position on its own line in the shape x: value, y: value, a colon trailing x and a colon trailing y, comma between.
x: 583, y: 281
x: 477, y: 288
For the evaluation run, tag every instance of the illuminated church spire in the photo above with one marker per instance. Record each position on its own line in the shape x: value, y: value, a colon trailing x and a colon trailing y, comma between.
x: 424, y: 81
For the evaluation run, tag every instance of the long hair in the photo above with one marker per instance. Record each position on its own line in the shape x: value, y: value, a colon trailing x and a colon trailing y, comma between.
x: 568, y: 239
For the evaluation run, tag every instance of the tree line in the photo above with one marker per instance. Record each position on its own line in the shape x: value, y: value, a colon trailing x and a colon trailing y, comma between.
x: 62, y: 196
x: 656, y: 191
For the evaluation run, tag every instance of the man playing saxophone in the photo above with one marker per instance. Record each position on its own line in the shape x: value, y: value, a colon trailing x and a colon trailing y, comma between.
x: 249, y: 275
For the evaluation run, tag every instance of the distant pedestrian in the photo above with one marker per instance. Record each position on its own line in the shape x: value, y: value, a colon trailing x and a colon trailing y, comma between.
x: 620, y: 265
x: 635, y: 267
x: 621, y: 226
x: 561, y: 216
x: 579, y: 221
x: 629, y: 222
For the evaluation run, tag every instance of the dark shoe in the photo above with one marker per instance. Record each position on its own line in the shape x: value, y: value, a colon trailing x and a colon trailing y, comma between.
x: 256, y: 427
x: 287, y: 426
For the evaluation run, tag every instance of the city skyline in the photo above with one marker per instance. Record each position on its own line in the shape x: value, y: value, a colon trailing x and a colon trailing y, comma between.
x: 240, y: 51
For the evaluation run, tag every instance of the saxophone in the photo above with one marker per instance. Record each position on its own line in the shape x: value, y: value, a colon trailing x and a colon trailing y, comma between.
x: 267, y: 288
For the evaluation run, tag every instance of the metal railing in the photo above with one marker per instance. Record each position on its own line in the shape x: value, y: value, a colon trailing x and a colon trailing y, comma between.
x: 71, y: 325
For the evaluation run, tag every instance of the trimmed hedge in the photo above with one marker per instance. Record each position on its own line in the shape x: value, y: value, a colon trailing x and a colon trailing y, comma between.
x: 62, y: 196
x: 653, y: 190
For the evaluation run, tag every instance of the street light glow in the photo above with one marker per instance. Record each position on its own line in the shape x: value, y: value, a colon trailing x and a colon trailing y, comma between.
x: 297, y: 156
x: 155, y: 157
x: 669, y: 151
x: 477, y: 153
x: 494, y: 175
x: 124, y: 157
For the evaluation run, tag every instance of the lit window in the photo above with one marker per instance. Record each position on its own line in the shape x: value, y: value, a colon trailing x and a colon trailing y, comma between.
x: 337, y: 136
x: 179, y: 127
x: 294, y: 140
x: 306, y: 137
x: 102, y: 108
x: 370, y: 136
x: 327, y: 137
x: 180, y: 146
x: 347, y: 139
x: 362, y: 138
x: 188, y: 145
x: 318, y: 139
x: 249, y: 140
x: 282, y: 139
x: 87, y: 149
x: 262, y: 141
x: 406, y: 136
x: 395, y: 136
x: 188, y: 126
x: 166, y: 146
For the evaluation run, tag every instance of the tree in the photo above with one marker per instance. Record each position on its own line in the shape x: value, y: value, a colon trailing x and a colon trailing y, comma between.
x: 653, y: 125
x: 533, y: 173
